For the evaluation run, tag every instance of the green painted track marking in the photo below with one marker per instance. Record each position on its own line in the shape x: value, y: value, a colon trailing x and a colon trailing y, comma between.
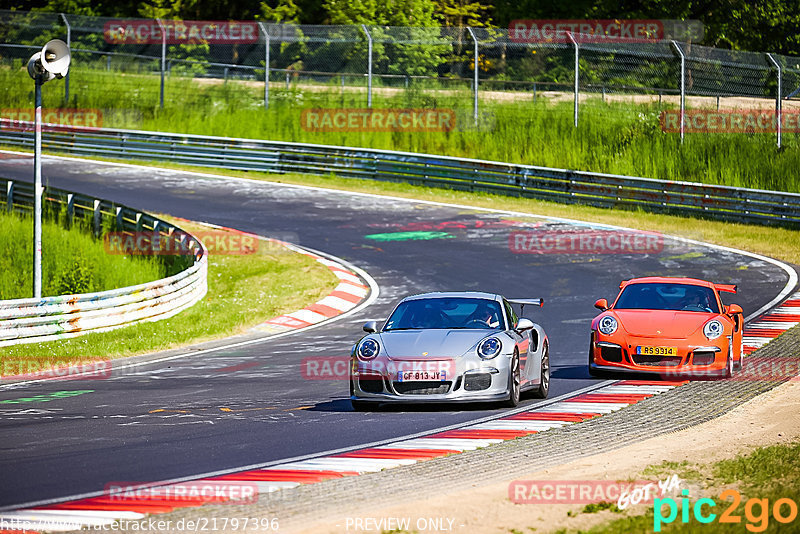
x: 409, y: 236
x: 48, y: 397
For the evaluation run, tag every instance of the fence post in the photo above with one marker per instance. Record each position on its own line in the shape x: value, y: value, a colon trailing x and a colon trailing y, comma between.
x: 778, y: 97
x: 577, y: 63
x: 369, y: 65
x: 69, y: 42
x: 163, y: 58
x: 475, y: 75
x: 266, y: 63
x: 683, y: 87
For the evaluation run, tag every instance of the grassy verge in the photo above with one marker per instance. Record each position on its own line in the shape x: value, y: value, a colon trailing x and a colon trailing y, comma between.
x: 243, y: 290
x: 72, y: 261
x: 615, y: 137
x: 767, y: 475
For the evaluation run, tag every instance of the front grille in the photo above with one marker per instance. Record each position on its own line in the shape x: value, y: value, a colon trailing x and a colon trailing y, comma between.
x: 477, y: 381
x: 703, y: 358
x: 656, y: 361
x: 371, y: 383
x: 427, y: 387
x: 611, y: 354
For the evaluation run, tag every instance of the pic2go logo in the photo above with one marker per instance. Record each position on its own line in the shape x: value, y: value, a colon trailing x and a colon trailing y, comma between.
x: 756, y: 511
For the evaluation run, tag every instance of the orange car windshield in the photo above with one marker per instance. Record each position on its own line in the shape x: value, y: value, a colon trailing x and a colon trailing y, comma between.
x: 664, y: 296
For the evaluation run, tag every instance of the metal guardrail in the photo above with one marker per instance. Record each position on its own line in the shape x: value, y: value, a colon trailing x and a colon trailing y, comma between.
x: 559, y: 185
x: 51, y: 318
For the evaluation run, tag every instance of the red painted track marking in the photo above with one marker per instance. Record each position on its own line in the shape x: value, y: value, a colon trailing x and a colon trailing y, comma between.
x: 551, y: 416
x: 349, y: 297
x: 285, y: 475
x: 483, y: 434
x: 413, y: 454
x: 630, y: 398
x: 652, y: 383
x: 322, y: 309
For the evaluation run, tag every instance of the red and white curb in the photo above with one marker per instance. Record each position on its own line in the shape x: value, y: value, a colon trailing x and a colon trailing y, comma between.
x: 350, y: 292
x: 769, y: 326
x: 111, y: 509
x: 105, y: 510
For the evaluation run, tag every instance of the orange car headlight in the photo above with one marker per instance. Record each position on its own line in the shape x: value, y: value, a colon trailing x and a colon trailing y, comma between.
x: 607, y: 325
x: 713, y: 329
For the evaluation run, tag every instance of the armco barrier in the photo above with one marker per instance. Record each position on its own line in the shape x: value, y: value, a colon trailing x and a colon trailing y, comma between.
x: 65, y: 316
x: 559, y: 185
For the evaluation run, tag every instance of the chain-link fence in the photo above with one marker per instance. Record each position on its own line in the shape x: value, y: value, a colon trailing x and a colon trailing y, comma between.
x: 469, y: 63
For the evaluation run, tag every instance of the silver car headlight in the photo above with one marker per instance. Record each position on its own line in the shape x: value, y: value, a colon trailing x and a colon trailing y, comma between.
x: 713, y: 329
x: 368, y: 349
x: 489, y: 348
x: 607, y: 325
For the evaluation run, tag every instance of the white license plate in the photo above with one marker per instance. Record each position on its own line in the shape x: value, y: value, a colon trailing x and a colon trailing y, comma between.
x: 421, y: 375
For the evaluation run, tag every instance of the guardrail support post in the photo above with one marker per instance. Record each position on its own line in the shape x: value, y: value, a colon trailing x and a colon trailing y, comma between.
x: 266, y: 63
x: 577, y: 73
x: 120, y: 220
x: 778, y: 97
x: 70, y: 209
x: 96, y: 218
x: 69, y: 43
x: 369, y: 65
x: 163, y: 58
x: 683, y: 87
x: 475, y: 56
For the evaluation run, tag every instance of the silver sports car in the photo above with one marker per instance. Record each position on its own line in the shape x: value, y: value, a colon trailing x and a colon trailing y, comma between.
x: 451, y: 347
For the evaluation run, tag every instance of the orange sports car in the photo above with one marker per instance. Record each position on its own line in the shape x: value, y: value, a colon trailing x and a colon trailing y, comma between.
x: 670, y: 326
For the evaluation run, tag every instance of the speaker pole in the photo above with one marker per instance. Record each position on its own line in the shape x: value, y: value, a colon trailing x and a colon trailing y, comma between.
x: 37, y: 192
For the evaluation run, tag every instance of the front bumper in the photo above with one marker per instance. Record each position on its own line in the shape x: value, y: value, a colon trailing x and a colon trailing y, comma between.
x: 470, y: 381
x: 701, y: 358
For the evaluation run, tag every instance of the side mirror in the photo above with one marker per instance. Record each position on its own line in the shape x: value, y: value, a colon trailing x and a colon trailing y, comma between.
x: 601, y: 304
x: 733, y: 309
x: 524, y: 324
x: 370, y: 327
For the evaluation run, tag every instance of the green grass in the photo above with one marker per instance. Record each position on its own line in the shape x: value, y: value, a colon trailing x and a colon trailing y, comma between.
x: 618, y: 138
x: 770, y: 473
x: 72, y: 261
x: 243, y: 290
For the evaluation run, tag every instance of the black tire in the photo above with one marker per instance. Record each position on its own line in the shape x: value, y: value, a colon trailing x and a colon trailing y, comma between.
x: 729, y: 363
x: 513, y: 383
x: 358, y: 405
x: 544, y: 383
x: 593, y: 372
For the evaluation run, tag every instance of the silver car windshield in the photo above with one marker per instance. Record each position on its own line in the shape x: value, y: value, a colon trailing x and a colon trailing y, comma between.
x: 449, y: 313
x: 663, y: 296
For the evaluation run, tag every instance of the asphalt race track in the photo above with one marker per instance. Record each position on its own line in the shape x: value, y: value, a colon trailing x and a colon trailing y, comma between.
x: 164, y: 420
